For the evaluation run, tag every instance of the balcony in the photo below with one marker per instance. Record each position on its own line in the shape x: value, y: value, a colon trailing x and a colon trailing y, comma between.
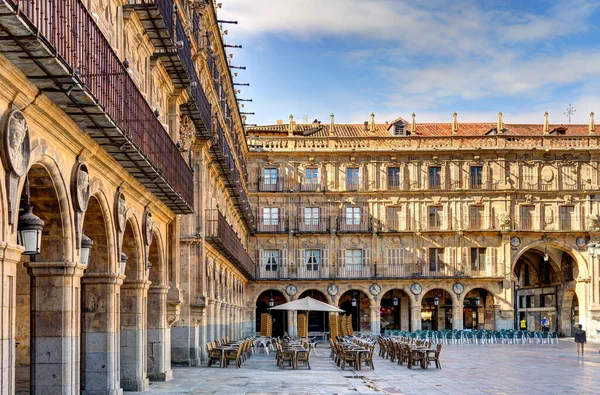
x: 62, y: 50
x: 270, y: 184
x: 277, y: 224
x: 422, y: 269
x: 394, y: 184
x: 312, y: 224
x: 221, y: 235
x: 311, y: 186
x: 397, y: 223
x: 354, y: 224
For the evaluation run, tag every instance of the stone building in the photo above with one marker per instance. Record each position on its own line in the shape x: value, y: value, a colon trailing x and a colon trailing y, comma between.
x: 413, y: 226
x: 118, y: 119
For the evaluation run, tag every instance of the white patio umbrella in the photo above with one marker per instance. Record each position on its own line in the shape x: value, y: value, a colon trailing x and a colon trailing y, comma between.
x: 307, y: 304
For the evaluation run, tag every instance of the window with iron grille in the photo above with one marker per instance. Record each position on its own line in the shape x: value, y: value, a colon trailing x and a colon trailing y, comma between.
x: 352, y: 178
x: 312, y: 259
x: 478, y: 259
x: 354, y: 259
x: 311, y: 216
x: 353, y: 215
x: 271, y: 260
x: 436, y: 259
x: 393, y: 177
x: 271, y: 215
x: 435, y: 177
x: 476, y: 179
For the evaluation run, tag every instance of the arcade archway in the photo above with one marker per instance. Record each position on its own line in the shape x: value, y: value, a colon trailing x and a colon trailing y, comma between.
x: 436, y: 310
x: 478, y: 310
x: 318, y: 321
x: 395, y: 310
x: 271, y: 298
x: 358, y: 304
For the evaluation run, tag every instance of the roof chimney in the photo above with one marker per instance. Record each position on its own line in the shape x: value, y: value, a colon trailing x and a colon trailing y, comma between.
x: 500, y: 126
x: 413, y: 124
x: 454, y: 123
x: 546, y: 128
x: 592, y: 126
x: 372, y: 128
x: 291, y: 126
x: 331, y: 125
x: 366, y: 128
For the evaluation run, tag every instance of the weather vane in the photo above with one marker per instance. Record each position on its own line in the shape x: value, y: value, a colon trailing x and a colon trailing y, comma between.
x: 570, y: 111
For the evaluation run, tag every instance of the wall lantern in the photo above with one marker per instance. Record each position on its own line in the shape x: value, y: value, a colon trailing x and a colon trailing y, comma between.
x: 395, y: 301
x: 123, y: 263
x: 86, y: 248
x: 436, y: 301
x: 29, y: 228
x: 477, y: 301
x: 353, y: 300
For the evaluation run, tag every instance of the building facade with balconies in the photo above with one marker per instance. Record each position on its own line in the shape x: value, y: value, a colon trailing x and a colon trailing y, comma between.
x: 119, y: 124
x: 428, y: 226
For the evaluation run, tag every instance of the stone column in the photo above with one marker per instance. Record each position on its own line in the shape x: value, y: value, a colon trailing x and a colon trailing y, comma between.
x: 55, y: 321
x: 133, y: 336
x: 375, y: 319
x: 457, y: 315
x: 217, y: 320
x: 415, y: 318
x: 10, y: 256
x: 210, y: 321
x: 292, y: 318
x: 100, y: 333
x: 159, y: 335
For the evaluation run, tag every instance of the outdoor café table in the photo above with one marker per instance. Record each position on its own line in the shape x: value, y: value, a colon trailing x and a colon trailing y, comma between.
x: 358, y: 352
x: 294, y: 350
x: 223, y: 349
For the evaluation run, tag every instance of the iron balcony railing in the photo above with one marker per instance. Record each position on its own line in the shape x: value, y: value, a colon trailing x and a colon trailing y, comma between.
x: 313, y: 224
x: 354, y: 223
x: 60, y: 47
x: 221, y: 235
x: 271, y: 184
x: 275, y: 224
x: 310, y: 185
x: 377, y: 271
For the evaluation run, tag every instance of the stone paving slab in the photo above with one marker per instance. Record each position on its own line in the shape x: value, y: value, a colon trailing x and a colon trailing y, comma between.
x: 466, y: 369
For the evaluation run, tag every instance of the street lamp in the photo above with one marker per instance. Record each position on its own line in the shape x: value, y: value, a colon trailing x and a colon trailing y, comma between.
x: 29, y: 227
x: 353, y: 301
x: 395, y: 301
x: 271, y: 300
x: 477, y: 301
x: 86, y: 248
x: 436, y: 301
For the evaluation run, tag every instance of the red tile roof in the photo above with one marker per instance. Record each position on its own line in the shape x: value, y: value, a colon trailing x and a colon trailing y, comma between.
x: 422, y: 129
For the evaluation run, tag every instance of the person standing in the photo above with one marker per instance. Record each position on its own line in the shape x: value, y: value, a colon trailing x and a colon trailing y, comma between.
x: 580, y: 339
x: 545, y: 324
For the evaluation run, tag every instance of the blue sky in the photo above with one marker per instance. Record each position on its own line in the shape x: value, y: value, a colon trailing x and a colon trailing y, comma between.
x: 393, y: 57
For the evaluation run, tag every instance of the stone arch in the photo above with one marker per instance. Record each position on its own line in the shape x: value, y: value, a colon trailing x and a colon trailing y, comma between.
x: 486, y: 287
x: 97, y: 226
x: 568, y: 248
x: 318, y: 321
x: 480, y: 316
x: 436, y: 317
x: 364, y: 288
x: 133, y: 248
x: 279, y: 318
x: 157, y: 259
x: 569, y: 317
x: 257, y: 292
x: 361, y: 313
x: 395, y: 316
x: 301, y: 288
x: 442, y: 287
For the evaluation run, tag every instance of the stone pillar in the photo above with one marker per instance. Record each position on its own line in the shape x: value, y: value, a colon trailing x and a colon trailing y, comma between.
x: 10, y: 256
x: 375, y: 320
x: 210, y: 321
x: 404, y: 313
x: 100, y: 333
x: 55, y: 319
x: 292, y: 317
x: 133, y: 336
x: 159, y: 335
x: 457, y: 315
x: 415, y: 318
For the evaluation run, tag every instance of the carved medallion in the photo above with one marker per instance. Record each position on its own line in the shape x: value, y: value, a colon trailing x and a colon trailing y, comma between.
x: 80, y: 187
x: 16, y: 147
x: 148, y: 224
x: 121, y: 212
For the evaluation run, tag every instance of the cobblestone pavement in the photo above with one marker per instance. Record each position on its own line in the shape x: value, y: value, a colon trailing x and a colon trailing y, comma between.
x: 467, y: 369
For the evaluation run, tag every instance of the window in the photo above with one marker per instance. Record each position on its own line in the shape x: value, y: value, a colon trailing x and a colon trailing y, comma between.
x: 567, y: 214
x: 476, y: 179
x: 311, y: 216
x: 312, y: 259
x: 352, y: 178
x: 399, y: 129
x: 353, y: 215
x: 526, y: 276
x: 435, y: 217
x: 353, y: 259
x: 478, y: 259
x: 435, y: 177
x: 393, y: 178
x: 569, y: 177
x: 547, y: 300
x: 529, y: 179
x: 476, y: 217
x: 527, y: 217
x: 436, y: 259
x: 271, y: 260
x: 311, y: 175
x: 271, y: 215
x: 270, y: 176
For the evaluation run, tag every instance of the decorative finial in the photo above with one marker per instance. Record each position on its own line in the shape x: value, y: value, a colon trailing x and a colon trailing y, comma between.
x: 454, y: 123
x: 413, y: 125
x: 546, y: 128
x: 500, y: 126
x: 372, y: 127
x: 592, y: 126
x: 291, y: 125
x: 331, y: 125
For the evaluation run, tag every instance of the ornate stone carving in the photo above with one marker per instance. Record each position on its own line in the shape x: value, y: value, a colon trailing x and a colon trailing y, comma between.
x: 187, y: 133
x: 121, y: 212
x: 594, y: 222
x: 148, y: 227
x: 81, y: 187
x: 505, y: 221
x: 16, y: 149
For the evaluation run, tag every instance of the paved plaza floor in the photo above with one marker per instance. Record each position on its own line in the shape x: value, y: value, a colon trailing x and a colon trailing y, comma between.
x: 467, y: 369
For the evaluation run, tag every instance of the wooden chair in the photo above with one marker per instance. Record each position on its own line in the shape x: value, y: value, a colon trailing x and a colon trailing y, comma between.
x: 414, y: 357
x: 368, y: 359
x: 304, y: 357
x: 348, y: 356
x: 287, y: 356
x: 234, y: 355
x: 435, y: 356
x: 213, y: 354
x: 391, y: 351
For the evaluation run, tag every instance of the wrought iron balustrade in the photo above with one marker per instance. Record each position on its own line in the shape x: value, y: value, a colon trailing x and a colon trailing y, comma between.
x: 313, y: 224
x: 276, y: 224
